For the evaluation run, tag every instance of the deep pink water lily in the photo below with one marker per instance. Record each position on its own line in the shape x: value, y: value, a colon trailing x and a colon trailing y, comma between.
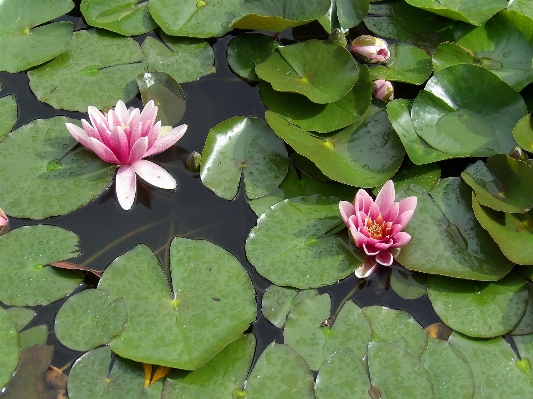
x: 124, y: 138
x: 4, y: 222
x: 376, y: 226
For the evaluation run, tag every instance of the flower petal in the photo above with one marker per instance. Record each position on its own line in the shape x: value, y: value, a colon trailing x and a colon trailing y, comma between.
x: 400, y: 239
x: 79, y: 134
x: 138, y: 150
x: 370, y: 249
x: 96, y: 117
x: 385, y: 197
x: 401, y: 221
x: 154, y: 174
x: 102, y: 151
x: 126, y: 186
x: 391, y: 213
x: 384, y: 257
x: 90, y: 130
x: 407, y: 204
x: 122, y: 113
x: 374, y: 211
x: 363, y: 201
x: 346, y: 210
x: 367, y: 268
x: 162, y: 143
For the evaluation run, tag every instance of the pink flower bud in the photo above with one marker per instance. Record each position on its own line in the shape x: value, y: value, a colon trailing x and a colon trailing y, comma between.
x: 4, y: 222
x: 370, y: 49
x: 383, y: 90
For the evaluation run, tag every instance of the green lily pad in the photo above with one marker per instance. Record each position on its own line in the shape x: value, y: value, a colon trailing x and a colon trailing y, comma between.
x: 21, y: 316
x: 290, y: 245
x: 8, y: 115
x: 503, y: 183
x: 512, y: 232
x: 166, y: 93
x: 280, y: 373
x: 475, y: 12
x: 408, y: 284
x: 24, y: 44
x: 278, y: 15
x: 184, y: 59
x: 418, y: 150
x: 452, y: 375
x: 9, y: 350
x: 493, y: 364
x: 522, y: 6
x: 459, y: 114
x: 446, y: 237
x: 525, y: 325
x: 91, y: 377
x: 424, y: 176
x: 247, y: 146
x: 248, y: 49
x: 25, y: 280
x: 344, y: 14
x: 524, y: 344
x: 306, y: 333
x: 98, y: 68
x: 398, y: 327
x: 505, y: 45
x: 37, y: 335
x: 54, y: 177
x: 523, y: 133
x: 126, y: 17
x: 89, y: 319
x: 321, y: 118
x: 479, y: 309
x: 219, y: 378
x: 406, y: 64
x: 278, y: 301
x: 194, y: 18
x: 342, y: 376
x: 364, y: 154
x: 448, y: 54
x: 396, y: 373
x: 322, y: 71
x: 210, y: 304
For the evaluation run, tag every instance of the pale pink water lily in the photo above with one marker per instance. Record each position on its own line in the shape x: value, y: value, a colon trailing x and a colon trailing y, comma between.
x: 124, y: 137
x: 383, y: 90
x: 4, y: 222
x: 370, y: 49
x: 376, y: 226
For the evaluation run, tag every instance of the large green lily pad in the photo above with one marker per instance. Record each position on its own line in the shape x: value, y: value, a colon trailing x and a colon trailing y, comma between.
x: 446, y: 237
x: 450, y: 53
x: 246, y: 50
x: 9, y: 350
x: 306, y: 332
x: 522, y: 6
x: 459, y: 114
x: 24, y: 44
x: 210, y: 303
x: 194, y: 18
x: 25, y: 280
x: 502, y: 183
x: 54, y: 176
x: 98, y: 68
x: 479, y: 309
x: 320, y: 70
x: 278, y: 15
x: 126, y: 17
x: 247, y: 146
x: 8, y: 115
x: 278, y: 301
x: 364, y: 154
x: 290, y: 246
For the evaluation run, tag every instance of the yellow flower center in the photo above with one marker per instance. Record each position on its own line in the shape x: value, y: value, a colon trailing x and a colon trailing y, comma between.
x: 378, y: 229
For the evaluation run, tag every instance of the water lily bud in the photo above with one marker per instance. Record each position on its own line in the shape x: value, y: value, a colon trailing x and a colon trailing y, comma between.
x: 192, y: 163
x: 383, y: 90
x: 4, y: 222
x: 337, y: 37
x: 370, y: 49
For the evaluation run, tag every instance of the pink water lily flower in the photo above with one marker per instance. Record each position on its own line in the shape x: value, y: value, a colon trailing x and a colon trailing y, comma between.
x: 370, y: 49
x: 124, y: 138
x: 4, y: 222
x: 376, y: 227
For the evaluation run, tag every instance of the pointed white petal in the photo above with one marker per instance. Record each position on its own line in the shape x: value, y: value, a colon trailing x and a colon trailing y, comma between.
x: 126, y: 186
x: 154, y: 174
x: 162, y: 143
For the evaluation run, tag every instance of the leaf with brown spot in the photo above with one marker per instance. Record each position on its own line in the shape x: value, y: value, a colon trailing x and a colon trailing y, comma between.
x: 438, y: 330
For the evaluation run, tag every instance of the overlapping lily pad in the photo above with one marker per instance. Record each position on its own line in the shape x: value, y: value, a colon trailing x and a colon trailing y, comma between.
x: 54, y: 176
x: 21, y: 316
x: 459, y: 114
x: 278, y: 302
x: 247, y: 146
x: 307, y: 332
x: 127, y: 17
x: 322, y: 71
x: 185, y: 59
x: 23, y: 43
x: 25, y: 280
x: 194, y: 18
x: 98, y: 68
x: 425, y: 176
x: 525, y: 325
x: 8, y: 115
x: 211, y: 302
x: 9, y: 350
x: 364, y: 154
x: 523, y: 133
x: 408, y: 284
x: 248, y: 49
x: 290, y: 245
x: 344, y: 14
x: 278, y: 15
x: 522, y: 6
x: 446, y: 237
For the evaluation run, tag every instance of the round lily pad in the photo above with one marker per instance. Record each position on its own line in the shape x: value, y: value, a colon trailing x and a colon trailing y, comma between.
x: 525, y: 325
x: 248, y: 49
x: 459, y: 114
x: 98, y: 68
x: 290, y: 245
x: 127, y: 17
x: 243, y: 145
x: 54, y: 177
x: 322, y: 71
x: 8, y: 115
x: 37, y: 335
x: 185, y: 59
x: 448, y: 54
x: 21, y: 316
x: 278, y: 301
x: 479, y: 309
x: 89, y: 319
x: 25, y: 280
x: 211, y: 302
x: 523, y: 133
x: 446, y: 238
x: 9, y: 350
x: 23, y: 43
x: 307, y: 333
x: 408, y: 284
